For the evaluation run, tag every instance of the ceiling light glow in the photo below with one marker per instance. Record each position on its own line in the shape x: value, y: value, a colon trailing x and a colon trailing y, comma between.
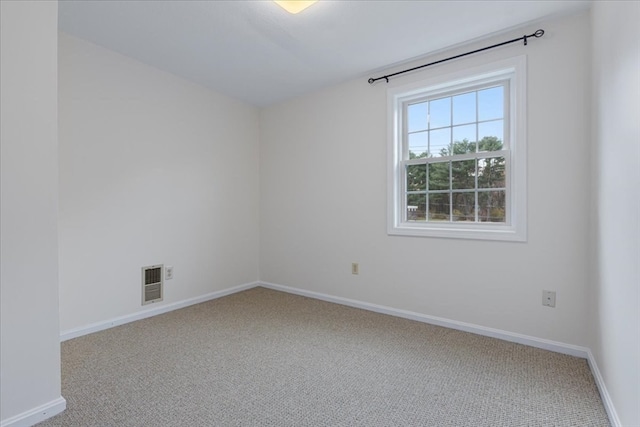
x: 294, y: 6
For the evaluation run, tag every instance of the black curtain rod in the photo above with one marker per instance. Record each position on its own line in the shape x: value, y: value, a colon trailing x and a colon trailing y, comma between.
x: 537, y: 34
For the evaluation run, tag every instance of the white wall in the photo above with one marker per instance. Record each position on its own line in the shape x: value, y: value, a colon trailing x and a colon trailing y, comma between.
x: 323, y: 201
x: 130, y: 134
x: 30, y: 348
x: 615, y: 306
x: 153, y: 169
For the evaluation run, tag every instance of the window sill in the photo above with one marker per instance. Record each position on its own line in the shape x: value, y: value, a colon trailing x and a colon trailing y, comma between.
x: 496, y: 232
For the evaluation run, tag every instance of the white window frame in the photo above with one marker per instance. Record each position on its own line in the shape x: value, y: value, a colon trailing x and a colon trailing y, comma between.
x: 512, y: 70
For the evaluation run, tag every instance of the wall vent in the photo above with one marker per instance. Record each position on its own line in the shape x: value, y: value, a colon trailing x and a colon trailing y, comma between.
x: 152, y: 284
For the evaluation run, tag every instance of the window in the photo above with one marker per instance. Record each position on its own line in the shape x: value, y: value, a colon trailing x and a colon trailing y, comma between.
x: 457, y: 165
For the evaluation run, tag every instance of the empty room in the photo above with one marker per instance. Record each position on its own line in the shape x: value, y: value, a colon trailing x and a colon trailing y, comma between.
x: 320, y: 213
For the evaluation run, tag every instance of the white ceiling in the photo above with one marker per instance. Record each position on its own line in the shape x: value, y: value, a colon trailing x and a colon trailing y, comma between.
x: 257, y: 52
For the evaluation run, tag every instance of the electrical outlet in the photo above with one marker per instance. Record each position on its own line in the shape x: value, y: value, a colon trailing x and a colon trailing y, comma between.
x: 355, y: 268
x: 168, y: 272
x: 549, y: 298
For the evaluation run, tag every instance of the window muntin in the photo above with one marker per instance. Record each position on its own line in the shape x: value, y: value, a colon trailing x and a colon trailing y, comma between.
x: 454, y: 156
x: 457, y: 150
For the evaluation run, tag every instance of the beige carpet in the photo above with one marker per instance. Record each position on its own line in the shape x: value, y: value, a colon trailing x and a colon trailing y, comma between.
x: 265, y: 358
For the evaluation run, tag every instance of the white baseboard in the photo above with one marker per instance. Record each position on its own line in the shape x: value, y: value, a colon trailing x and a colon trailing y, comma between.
x: 558, y: 347
x: 100, y: 326
x: 43, y: 412
x: 604, y: 394
x: 554, y: 346
x: 36, y: 415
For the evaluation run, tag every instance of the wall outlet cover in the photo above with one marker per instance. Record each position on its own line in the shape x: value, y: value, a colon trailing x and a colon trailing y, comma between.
x: 549, y: 298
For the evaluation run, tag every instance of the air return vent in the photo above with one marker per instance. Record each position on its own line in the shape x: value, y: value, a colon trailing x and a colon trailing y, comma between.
x: 152, y: 284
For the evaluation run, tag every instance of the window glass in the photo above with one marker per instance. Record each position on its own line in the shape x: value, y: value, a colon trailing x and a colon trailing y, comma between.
x: 439, y: 176
x: 439, y: 113
x: 418, y: 115
x: 491, y: 103
x: 464, y: 108
x: 439, y: 141
x: 465, y: 133
x: 439, y: 207
x: 491, y: 206
x: 491, y: 135
x: 416, y: 177
x: 463, y: 175
x: 464, y: 206
x: 416, y: 207
x: 491, y: 172
x: 418, y: 144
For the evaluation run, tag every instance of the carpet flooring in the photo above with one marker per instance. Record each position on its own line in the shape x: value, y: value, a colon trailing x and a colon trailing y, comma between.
x: 266, y: 358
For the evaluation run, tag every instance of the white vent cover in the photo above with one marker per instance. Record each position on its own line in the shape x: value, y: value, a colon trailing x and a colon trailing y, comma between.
x: 152, y: 284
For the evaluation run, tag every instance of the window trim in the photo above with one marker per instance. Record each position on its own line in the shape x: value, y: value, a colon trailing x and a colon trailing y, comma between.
x: 513, y: 70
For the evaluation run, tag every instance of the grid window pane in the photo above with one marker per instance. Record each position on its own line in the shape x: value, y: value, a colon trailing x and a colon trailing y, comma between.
x: 491, y: 103
x: 416, y: 177
x: 463, y: 175
x: 440, y: 113
x: 464, y: 133
x: 464, y: 108
x: 416, y: 207
x: 491, y: 172
x: 468, y: 128
x: 418, y: 143
x: 491, y: 135
x: 439, y: 176
x: 439, y: 207
x: 417, y: 117
x: 440, y: 142
x: 491, y: 206
x: 464, y: 206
